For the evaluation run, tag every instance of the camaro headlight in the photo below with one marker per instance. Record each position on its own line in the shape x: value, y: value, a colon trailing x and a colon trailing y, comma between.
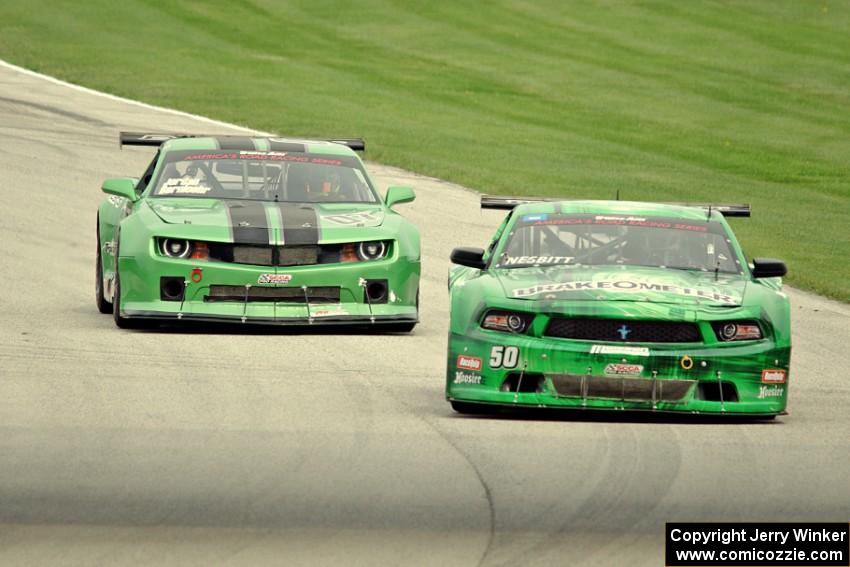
x: 179, y: 248
x: 507, y: 321
x: 737, y: 330
x: 176, y: 248
x: 373, y: 250
x: 364, y: 251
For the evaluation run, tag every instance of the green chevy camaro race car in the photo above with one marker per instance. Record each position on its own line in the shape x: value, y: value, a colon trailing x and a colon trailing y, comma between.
x: 617, y: 305
x: 255, y: 230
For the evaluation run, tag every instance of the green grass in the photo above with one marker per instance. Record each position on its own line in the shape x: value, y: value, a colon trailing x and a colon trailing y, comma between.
x: 709, y: 101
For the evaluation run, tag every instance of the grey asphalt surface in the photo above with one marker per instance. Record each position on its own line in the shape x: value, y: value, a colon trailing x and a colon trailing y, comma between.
x: 232, y: 448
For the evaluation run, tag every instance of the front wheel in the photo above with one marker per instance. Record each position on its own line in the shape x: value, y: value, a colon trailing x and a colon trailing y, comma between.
x: 102, y: 305
x: 121, y: 322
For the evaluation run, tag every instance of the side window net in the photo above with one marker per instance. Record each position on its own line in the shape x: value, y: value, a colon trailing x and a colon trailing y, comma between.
x: 146, y: 176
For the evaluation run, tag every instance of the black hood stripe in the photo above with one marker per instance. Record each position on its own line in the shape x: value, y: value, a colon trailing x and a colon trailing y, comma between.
x: 300, y: 224
x: 236, y: 143
x: 276, y: 146
x: 248, y: 222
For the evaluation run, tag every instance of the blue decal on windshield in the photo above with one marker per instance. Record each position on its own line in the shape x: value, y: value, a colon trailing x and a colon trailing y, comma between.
x: 534, y: 218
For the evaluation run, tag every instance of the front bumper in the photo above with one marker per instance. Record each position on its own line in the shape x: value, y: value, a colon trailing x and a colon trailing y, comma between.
x: 723, y: 379
x: 141, y: 296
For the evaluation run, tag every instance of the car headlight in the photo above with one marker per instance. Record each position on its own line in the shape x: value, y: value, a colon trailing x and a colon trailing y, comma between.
x: 176, y: 248
x: 727, y: 331
x: 364, y: 251
x: 179, y: 248
x: 373, y: 250
x: 507, y: 321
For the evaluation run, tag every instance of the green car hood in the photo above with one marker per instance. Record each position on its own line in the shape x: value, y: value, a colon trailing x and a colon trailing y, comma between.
x: 197, y: 212
x: 210, y: 216
x: 620, y: 283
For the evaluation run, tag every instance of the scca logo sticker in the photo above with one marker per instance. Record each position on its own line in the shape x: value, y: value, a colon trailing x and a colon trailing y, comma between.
x: 274, y: 278
x: 616, y: 369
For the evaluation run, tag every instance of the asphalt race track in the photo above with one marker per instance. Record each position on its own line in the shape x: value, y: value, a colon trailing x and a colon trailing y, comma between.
x: 228, y: 447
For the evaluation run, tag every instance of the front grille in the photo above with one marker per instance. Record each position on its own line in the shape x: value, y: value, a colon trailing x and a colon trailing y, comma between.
x: 588, y: 329
x: 628, y: 389
x: 275, y: 255
x: 257, y: 255
x: 240, y: 294
x: 298, y: 256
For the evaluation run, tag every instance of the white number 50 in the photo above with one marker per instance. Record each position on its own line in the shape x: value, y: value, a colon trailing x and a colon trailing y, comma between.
x: 506, y: 357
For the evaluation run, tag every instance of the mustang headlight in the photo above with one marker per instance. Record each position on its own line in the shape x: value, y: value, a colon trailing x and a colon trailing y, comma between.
x: 507, y: 321
x: 737, y: 330
x: 176, y: 248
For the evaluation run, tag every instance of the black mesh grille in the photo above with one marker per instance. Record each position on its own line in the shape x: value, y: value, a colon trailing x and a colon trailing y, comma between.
x: 274, y: 255
x: 257, y: 255
x: 625, y: 331
x: 241, y: 294
x: 297, y: 255
x: 628, y: 389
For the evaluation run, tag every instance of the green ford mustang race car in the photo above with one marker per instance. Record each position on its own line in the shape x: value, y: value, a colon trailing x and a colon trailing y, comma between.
x: 617, y: 305
x: 255, y: 230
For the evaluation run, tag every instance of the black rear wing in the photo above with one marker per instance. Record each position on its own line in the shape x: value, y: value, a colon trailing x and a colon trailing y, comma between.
x: 152, y: 139
x: 140, y: 139
x: 508, y: 203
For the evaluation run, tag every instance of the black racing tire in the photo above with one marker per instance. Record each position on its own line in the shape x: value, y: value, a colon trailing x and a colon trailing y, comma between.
x: 469, y: 408
x: 103, y: 306
x: 121, y: 322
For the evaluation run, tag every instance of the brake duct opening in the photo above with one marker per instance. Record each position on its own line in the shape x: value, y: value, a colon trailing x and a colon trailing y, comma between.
x: 524, y: 383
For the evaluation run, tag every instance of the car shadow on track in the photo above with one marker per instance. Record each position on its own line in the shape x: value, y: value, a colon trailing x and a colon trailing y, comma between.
x: 249, y: 329
x: 615, y: 416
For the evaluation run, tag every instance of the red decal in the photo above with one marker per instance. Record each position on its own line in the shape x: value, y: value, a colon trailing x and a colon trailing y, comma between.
x: 265, y: 156
x: 773, y: 376
x: 469, y: 362
x: 204, y: 157
x: 622, y: 221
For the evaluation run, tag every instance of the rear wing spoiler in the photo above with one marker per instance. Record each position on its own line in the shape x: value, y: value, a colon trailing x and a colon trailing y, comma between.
x: 151, y: 139
x: 508, y: 203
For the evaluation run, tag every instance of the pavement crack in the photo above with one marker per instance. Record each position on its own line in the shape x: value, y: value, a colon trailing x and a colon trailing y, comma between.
x: 487, y: 492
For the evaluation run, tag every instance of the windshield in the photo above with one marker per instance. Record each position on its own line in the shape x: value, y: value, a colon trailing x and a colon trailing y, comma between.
x: 603, y: 240
x: 264, y: 176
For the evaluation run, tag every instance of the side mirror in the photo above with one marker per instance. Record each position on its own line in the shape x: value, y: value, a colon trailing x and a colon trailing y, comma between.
x: 470, y: 257
x: 396, y: 195
x: 121, y: 187
x: 768, y: 268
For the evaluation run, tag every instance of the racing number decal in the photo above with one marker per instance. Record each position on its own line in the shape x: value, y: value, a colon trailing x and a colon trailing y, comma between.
x: 504, y: 357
